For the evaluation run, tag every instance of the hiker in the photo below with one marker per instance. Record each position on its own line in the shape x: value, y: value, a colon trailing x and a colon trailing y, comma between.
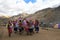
x: 15, y: 26
x: 24, y: 23
x: 9, y: 27
x: 36, y: 26
x: 31, y: 27
x: 20, y: 26
x: 27, y: 27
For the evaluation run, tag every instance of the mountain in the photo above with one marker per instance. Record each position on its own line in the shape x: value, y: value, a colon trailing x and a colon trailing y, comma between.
x: 3, y: 20
x: 49, y: 15
x: 23, y: 15
x: 4, y: 15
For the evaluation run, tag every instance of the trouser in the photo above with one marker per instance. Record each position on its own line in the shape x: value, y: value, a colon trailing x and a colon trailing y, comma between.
x: 9, y: 34
x: 15, y: 29
x: 21, y: 29
x: 37, y: 29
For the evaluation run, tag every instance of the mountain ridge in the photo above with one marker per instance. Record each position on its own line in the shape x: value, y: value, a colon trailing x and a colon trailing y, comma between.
x: 49, y: 15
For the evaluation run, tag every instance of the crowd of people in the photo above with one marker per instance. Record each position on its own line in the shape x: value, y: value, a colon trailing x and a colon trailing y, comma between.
x: 28, y: 25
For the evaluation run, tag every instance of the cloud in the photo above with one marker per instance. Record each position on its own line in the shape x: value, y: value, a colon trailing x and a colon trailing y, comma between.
x: 14, y: 7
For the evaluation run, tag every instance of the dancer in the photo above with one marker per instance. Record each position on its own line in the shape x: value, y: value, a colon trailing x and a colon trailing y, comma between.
x: 9, y: 27
x: 36, y: 26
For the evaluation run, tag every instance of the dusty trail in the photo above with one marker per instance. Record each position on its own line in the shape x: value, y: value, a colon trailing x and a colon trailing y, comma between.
x: 51, y: 34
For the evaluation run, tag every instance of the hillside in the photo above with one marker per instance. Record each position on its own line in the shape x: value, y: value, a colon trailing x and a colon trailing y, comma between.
x: 23, y: 15
x: 3, y: 20
x: 47, y: 15
x: 4, y: 15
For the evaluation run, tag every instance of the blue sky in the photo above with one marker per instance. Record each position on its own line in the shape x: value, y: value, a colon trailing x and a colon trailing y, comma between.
x: 27, y: 1
x: 14, y: 7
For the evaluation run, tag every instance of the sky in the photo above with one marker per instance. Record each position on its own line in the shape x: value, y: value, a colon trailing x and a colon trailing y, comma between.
x: 14, y: 7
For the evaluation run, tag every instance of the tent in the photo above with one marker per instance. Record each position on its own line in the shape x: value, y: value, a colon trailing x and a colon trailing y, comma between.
x: 57, y: 26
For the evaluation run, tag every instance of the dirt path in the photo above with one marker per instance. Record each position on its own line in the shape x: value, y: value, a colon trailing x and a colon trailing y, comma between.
x: 51, y: 34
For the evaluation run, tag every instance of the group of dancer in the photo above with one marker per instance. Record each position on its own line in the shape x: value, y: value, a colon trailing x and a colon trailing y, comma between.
x: 20, y: 25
